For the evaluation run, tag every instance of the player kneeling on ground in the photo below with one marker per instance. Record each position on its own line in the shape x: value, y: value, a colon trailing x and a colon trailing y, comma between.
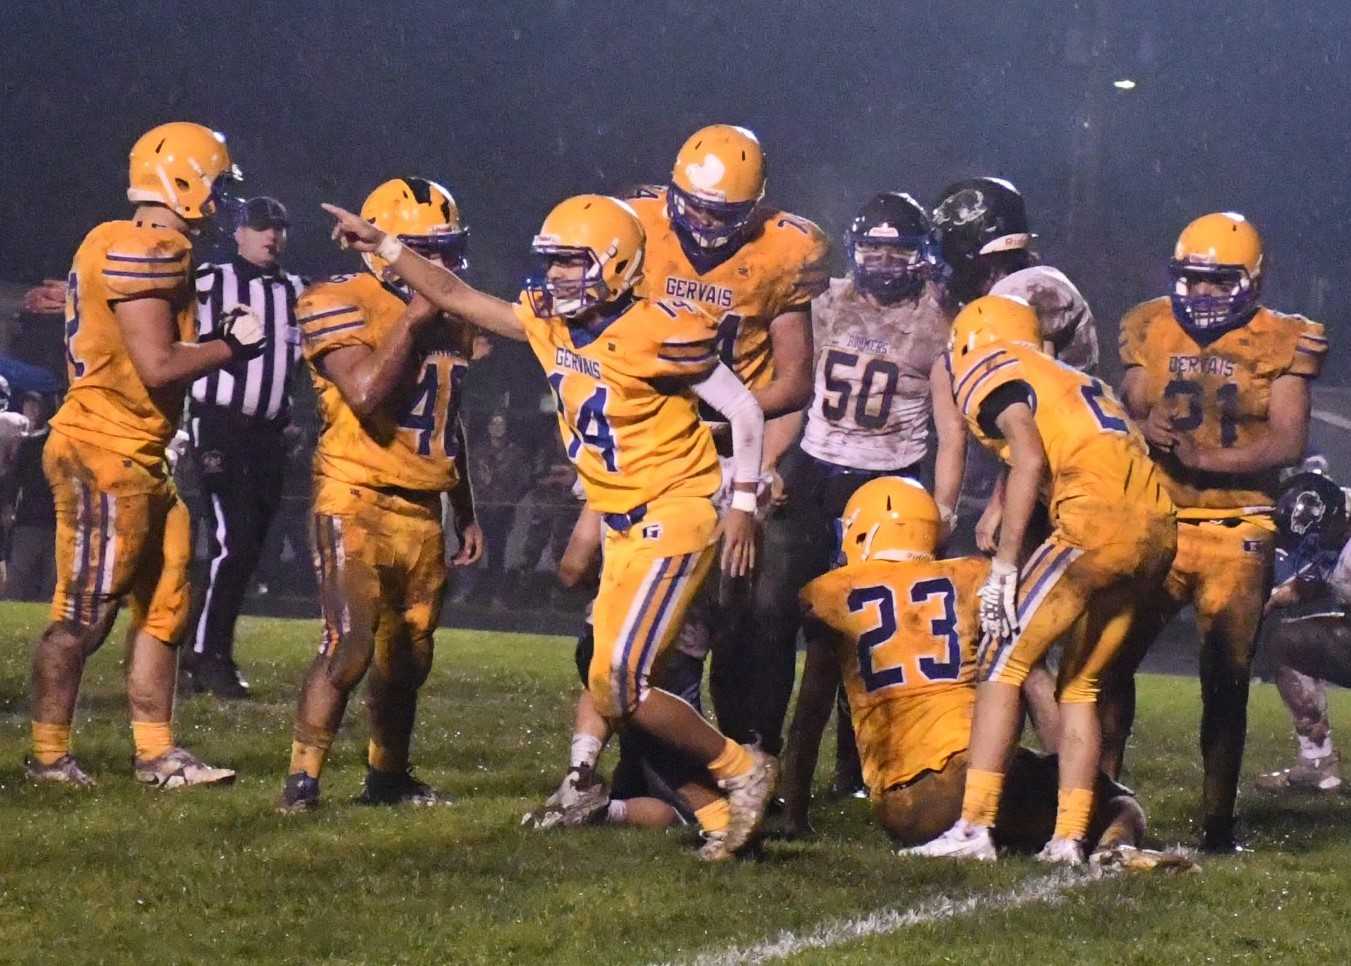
x: 387, y: 370
x: 901, y: 629
x: 627, y: 374
x: 1307, y: 630
x: 1065, y: 439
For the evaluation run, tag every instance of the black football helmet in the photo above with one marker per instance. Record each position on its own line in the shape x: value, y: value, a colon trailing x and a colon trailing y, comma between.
x: 1311, y: 509
x: 895, y: 221
x: 980, y: 225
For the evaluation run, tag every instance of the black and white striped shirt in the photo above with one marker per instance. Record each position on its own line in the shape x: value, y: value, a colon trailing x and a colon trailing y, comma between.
x: 264, y: 389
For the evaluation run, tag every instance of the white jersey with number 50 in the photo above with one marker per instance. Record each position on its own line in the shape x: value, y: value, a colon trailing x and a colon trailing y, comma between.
x: 871, y: 406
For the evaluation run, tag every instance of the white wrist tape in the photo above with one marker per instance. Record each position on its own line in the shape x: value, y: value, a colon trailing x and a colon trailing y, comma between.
x: 1000, y: 568
x: 745, y: 501
x: 390, y: 248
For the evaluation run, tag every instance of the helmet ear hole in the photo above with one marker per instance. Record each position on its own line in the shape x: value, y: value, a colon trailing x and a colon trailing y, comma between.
x: 620, y: 266
x: 182, y: 185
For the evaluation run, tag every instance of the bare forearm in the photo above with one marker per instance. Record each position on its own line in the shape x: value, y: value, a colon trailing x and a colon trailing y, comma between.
x: 1021, y: 488
x: 780, y: 434
x: 820, y: 678
x: 949, y: 465
x: 1269, y: 451
x: 180, y: 362
x: 454, y: 296
x: 375, y: 378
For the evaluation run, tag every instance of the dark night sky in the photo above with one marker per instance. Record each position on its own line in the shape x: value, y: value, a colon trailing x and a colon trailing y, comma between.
x: 514, y: 105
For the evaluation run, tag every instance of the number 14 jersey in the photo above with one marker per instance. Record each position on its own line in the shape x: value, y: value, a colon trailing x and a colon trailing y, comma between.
x: 871, y: 405
x: 1219, y: 393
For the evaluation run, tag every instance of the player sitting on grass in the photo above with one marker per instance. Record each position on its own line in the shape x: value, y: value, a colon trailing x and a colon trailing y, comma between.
x: 901, y: 628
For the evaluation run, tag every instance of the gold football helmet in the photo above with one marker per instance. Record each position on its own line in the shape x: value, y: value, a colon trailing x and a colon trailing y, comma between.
x: 1216, y: 270
x: 182, y: 166
x: 601, y: 232
x: 890, y: 518
x: 994, y: 318
x: 423, y: 215
x: 718, y: 179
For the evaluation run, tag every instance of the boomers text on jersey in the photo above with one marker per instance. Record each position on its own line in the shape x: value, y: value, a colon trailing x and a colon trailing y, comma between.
x: 632, y: 439
x: 1219, y: 393
x: 780, y: 266
x: 410, y: 443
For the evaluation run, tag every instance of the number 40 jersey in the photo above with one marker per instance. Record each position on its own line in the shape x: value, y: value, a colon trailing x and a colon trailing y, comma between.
x: 906, y: 643
x: 411, y: 441
x: 871, y: 405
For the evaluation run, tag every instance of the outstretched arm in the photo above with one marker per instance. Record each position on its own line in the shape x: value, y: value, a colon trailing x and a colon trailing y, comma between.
x: 440, y: 286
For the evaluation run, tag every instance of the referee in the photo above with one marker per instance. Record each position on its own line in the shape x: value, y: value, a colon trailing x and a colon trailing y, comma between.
x: 236, y: 419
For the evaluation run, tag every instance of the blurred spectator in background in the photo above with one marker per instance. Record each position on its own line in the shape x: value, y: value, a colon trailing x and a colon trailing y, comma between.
x: 32, y: 564
x: 543, y: 523
x: 499, y: 469
x: 237, y: 416
x: 285, y: 566
x: 13, y: 429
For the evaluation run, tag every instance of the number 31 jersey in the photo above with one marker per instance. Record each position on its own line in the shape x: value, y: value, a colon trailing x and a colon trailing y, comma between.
x: 871, y: 405
x: 410, y: 442
x: 1219, y: 393
x: 906, y: 645
x: 629, y: 421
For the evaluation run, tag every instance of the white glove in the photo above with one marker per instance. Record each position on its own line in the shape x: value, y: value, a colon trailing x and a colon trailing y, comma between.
x: 999, y: 601
x: 242, y: 331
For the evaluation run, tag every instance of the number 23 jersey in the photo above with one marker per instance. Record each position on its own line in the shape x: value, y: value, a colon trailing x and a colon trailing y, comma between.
x: 411, y: 441
x: 907, y: 652
x: 628, y: 420
x: 1219, y: 393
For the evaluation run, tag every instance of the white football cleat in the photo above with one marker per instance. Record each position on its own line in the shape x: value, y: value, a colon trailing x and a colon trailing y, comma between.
x: 748, y: 796
x: 1062, y: 852
x: 962, y: 841
x: 581, y: 799
x: 179, y: 768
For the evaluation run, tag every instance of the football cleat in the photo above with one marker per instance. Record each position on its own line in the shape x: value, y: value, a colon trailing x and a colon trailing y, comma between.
x: 1306, y: 775
x: 64, y: 771
x: 581, y: 799
x: 398, y: 788
x: 962, y: 841
x: 179, y: 768
x: 748, y: 797
x: 1217, y: 836
x: 299, y: 794
x: 1128, y: 858
x: 714, y: 848
x: 220, y: 677
x: 1062, y: 852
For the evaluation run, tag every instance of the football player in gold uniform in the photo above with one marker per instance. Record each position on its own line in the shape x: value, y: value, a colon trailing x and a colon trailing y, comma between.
x: 387, y: 370
x: 1220, y: 385
x: 755, y: 270
x: 121, y: 529
x: 1065, y: 440
x: 901, y: 628
x: 627, y: 375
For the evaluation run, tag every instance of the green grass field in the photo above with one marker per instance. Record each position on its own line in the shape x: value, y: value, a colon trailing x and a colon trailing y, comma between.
x: 123, y: 874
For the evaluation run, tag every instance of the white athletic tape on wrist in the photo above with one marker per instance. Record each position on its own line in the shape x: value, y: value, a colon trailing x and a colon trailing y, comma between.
x: 745, y: 501
x: 390, y: 248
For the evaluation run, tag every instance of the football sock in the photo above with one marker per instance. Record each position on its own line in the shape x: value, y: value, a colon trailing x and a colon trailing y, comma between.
x: 980, y: 801
x: 152, y: 738
x: 51, y: 742
x: 382, y: 758
x: 1071, y: 818
x: 308, y: 756
x: 1311, y: 750
x: 585, y: 751
x: 715, y: 816
x: 617, y: 811
x: 732, y: 762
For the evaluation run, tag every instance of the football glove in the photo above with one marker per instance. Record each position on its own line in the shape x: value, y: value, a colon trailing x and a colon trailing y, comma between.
x: 242, y: 331
x: 999, y: 601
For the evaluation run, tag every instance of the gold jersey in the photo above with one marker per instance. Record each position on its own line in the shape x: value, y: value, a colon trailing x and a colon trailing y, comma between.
x: 907, y: 650
x: 412, y: 440
x: 108, y: 405
x: 781, y: 267
x: 1218, y: 393
x: 1092, y: 449
x: 628, y: 419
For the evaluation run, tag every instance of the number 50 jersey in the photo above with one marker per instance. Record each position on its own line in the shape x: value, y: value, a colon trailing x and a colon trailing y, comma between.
x: 1219, y: 393
x: 411, y: 441
x: 907, y: 652
x: 628, y: 419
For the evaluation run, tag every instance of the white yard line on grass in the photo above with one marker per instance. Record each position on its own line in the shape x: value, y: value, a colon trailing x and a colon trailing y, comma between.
x: 882, y: 922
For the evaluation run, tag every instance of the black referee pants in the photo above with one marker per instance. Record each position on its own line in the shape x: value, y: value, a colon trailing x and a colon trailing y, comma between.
x: 240, y: 463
